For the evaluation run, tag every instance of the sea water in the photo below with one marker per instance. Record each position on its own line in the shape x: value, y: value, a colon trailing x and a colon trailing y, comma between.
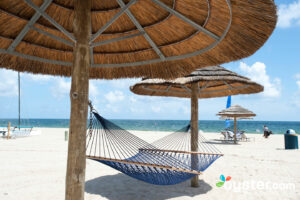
x: 250, y: 126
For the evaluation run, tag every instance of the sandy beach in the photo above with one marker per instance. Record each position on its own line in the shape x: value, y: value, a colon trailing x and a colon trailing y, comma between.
x: 35, y: 167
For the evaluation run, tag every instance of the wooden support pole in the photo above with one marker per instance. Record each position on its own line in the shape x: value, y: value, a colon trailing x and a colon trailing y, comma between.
x: 75, y: 178
x: 8, y: 130
x: 19, y: 103
x: 194, y: 132
x: 235, y: 130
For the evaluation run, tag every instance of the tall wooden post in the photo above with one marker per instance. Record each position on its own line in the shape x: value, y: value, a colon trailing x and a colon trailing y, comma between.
x: 75, y: 178
x: 19, y: 93
x: 194, y: 132
x: 8, y: 131
x: 235, y: 130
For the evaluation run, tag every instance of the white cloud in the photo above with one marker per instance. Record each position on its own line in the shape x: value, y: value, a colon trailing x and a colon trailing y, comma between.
x: 124, y: 83
x: 119, y: 83
x: 114, y: 96
x: 8, y: 83
x: 257, y: 72
x: 289, y: 14
x: 297, y: 76
x: 93, y: 90
x: 298, y: 83
x: 295, y: 98
x: 111, y: 108
x: 167, y: 106
x: 156, y: 108
x: 37, y: 77
x: 61, y: 88
x: 135, y: 110
x: 132, y: 99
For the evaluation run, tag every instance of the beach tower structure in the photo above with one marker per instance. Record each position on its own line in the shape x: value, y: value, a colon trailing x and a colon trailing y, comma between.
x: 236, y: 112
x: 208, y: 82
x: 109, y: 39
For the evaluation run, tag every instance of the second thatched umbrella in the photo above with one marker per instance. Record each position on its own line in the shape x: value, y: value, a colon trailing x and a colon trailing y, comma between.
x: 208, y: 82
x: 236, y: 112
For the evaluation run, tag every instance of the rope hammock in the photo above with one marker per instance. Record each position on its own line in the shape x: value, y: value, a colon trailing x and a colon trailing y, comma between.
x: 167, y: 161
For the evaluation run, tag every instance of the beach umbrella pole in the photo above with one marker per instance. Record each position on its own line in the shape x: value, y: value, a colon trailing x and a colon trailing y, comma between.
x: 194, y: 131
x: 19, y: 102
x: 235, y: 130
x: 75, y: 177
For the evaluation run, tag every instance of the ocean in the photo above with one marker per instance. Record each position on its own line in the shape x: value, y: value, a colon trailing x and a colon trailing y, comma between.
x: 250, y: 126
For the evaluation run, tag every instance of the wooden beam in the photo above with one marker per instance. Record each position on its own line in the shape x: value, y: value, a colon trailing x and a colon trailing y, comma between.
x: 26, y: 28
x: 144, y: 164
x: 187, y: 20
x: 75, y: 178
x: 51, y: 20
x: 66, y: 42
x: 116, y: 39
x: 141, y: 29
x: 35, y: 58
x: 194, y: 131
x: 112, y: 20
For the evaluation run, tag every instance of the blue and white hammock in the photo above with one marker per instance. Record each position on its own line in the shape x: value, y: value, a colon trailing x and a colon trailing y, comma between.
x: 167, y: 161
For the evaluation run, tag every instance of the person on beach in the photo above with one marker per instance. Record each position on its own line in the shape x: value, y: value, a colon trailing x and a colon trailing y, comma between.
x: 266, y: 131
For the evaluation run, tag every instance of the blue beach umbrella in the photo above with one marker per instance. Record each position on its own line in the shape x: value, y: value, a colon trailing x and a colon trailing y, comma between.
x: 227, y: 121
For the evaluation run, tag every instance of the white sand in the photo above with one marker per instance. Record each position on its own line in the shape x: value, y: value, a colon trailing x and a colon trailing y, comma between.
x: 34, y: 168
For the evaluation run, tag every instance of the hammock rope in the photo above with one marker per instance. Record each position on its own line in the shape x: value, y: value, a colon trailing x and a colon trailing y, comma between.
x: 165, y: 162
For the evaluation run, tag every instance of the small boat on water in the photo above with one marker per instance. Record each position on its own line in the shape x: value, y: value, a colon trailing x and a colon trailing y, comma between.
x: 19, y: 130
x: 16, y: 132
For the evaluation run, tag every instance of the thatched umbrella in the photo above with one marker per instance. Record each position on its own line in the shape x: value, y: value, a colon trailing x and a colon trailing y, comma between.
x: 124, y: 38
x: 208, y: 82
x: 236, y: 112
x: 232, y: 118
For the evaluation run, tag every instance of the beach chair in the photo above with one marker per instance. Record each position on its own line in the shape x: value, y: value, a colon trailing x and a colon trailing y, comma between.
x: 246, y: 138
x: 2, y: 133
x: 224, y: 134
x: 241, y: 136
x: 228, y: 136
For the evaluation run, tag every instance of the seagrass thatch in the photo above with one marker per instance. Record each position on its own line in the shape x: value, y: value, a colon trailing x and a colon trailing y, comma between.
x: 236, y: 111
x: 232, y: 118
x: 195, y: 34
x: 213, y: 81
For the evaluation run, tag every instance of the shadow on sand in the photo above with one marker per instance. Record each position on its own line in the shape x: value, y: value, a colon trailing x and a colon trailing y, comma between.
x: 284, y: 149
x: 120, y: 186
x: 220, y: 142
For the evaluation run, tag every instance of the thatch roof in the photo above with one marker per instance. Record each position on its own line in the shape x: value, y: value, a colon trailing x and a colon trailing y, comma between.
x: 231, y: 118
x: 213, y: 81
x: 222, y: 32
x: 236, y: 111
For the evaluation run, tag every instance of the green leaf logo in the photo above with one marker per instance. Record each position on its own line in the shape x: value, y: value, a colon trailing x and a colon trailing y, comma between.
x: 220, y: 184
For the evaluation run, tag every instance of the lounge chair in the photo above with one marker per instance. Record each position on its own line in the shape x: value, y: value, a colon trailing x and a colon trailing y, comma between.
x: 245, y: 138
x: 228, y: 135
x: 2, y: 133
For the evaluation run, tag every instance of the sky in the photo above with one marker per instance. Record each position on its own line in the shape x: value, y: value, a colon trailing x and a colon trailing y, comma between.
x: 276, y: 66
